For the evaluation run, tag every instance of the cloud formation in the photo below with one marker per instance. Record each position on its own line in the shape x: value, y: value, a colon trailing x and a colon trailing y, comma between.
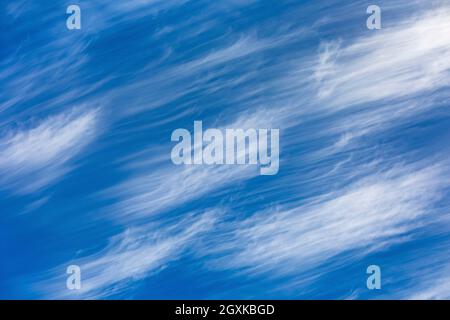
x: 372, y: 214
x: 33, y: 157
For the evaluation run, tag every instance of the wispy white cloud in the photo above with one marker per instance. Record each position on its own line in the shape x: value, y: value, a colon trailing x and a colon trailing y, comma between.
x: 424, y: 271
x: 383, y: 79
x: 33, y: 157
x: 439, y: 289
x: 396, y: 62
x: 162, y: 185
x: 205, y: 72
x: 373, y: 213
x: 131, y: 256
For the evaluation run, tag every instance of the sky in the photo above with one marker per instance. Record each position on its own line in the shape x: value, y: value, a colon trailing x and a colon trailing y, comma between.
x: 86, y: 176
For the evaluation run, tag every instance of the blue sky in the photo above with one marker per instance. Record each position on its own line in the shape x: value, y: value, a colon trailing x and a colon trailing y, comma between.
x: 86, y: 177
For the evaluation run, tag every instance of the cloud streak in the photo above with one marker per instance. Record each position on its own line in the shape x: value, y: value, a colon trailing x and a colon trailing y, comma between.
x: 397, y: 62
x: 33, y: 157
x: 131, y: 256
x: 372, y: 214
